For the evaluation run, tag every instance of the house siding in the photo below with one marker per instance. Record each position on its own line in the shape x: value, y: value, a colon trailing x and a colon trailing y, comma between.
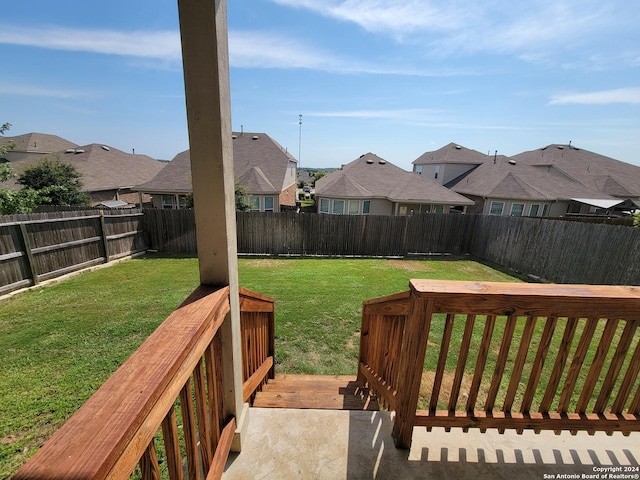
x: 446, y: 172
x: 288, y: 196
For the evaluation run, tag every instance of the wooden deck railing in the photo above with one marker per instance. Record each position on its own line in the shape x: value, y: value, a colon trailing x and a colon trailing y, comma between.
x: 258, y: 348
x: 177, y: 371
x: 503, y: 355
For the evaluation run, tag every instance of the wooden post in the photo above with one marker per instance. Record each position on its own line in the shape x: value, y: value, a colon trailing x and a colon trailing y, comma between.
x: 103, y: 235
x: 203, y: 29
x: 29, y: 254
x: 414, y: 345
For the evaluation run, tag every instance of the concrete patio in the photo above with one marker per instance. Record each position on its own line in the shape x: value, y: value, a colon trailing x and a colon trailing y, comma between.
x: 338, y: 444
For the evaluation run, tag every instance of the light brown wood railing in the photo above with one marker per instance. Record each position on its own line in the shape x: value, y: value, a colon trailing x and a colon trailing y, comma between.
x: 505, y: 356
x: 177, y: 369
x: 258, y: 348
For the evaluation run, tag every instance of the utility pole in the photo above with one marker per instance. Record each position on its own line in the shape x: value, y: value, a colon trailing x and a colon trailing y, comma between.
x: 299, y: 141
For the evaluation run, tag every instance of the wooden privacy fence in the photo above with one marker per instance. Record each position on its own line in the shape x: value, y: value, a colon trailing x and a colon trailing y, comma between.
x: 562, y: 252
x: 505, y: 356
x: 178, y: 371
x: 40, y: 247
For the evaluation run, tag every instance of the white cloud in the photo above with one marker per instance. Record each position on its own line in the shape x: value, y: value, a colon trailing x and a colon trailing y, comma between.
x: 411, y: 114
x: 498, y: 26
x: 250, y: 49
x: 33, y: 91
x: 163, y: 45
x: 602, y: 97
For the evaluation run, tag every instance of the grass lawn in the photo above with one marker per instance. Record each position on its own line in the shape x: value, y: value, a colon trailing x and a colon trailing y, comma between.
x: 59, y: 343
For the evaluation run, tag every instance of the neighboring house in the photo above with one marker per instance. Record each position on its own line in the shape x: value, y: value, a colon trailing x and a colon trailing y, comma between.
x: 502, y: 185
x: 266, y: 169
x: 595, y: 171
x: 372, y: 186
x: 34, y: 146
x: 108, y: 174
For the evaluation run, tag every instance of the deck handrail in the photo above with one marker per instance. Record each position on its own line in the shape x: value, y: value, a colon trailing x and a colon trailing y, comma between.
x: 507, y: 355
x: 114, y: 430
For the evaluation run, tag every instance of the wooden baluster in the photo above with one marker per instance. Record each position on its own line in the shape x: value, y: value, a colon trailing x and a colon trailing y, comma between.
x: 190, y: 431
x: 483, y: 353
x: 538, y: 363
x: 627, y: 382
x: 518, y: 367
x: 204, y: 424
x: 596, y: 365
x: 615, y: 367
x: 501, y: 362
x: 149, y: 463
x: 442, y: 363
x: 576, y: 365
x: 213, y: 392
x: 172, y: 446
x: 559, y: 365
x: 462, y: 362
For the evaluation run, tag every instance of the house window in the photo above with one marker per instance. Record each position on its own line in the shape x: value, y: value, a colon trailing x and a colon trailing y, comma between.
x: 425, y: 208
x: 517, y: 209
x: 437, y: 171
x: 324, y: 205
x: 338, y: 207
x: 255, y: 204
x: 354, y: 207
x: 419, y: 169
x: 496, y: 208
x: 268, y: 204
x: 366, y: 207
x: 168, y: 201
x: 533, y: 210
x: 438, y: 209
x: 182, y: 201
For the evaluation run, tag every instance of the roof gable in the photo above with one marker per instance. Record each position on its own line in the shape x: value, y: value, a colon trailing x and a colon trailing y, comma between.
x: 34, y: 142
x: 452, y: 153
x: 260, y: 163
x: 373, y: 177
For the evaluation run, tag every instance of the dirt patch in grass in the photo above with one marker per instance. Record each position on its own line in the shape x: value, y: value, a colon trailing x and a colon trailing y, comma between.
x: 263, y: 263
x: 426, y: 387
x: 411, y: 265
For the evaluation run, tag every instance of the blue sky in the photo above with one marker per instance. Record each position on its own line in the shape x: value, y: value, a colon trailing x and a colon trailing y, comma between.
x: 396, y: 78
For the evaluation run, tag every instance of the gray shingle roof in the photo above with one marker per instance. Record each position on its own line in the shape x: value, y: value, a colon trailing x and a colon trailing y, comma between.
x: 260, y: 163
x: 593, y: 170
x: 373, y: 177
x: 101, y: 167
x: 38, y: 143
x: 507, y: 180
x: 452, y: 153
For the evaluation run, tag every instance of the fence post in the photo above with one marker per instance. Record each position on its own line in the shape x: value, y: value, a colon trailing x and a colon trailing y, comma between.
x: 29, y: 253
x: 103, y: 235
x: 411, y: 365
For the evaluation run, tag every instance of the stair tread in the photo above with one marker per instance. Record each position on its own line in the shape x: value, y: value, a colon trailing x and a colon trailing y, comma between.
x: 333, y: 392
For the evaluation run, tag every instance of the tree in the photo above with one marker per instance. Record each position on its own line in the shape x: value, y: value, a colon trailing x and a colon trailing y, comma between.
x: 13, y: 201
x: 242, y: 201
x: 57, y: 183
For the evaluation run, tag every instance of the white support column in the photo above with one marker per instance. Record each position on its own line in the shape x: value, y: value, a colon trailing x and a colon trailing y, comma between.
x: 205, y: 53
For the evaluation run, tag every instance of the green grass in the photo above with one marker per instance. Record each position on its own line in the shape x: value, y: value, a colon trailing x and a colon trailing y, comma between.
x: 59, y: 343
